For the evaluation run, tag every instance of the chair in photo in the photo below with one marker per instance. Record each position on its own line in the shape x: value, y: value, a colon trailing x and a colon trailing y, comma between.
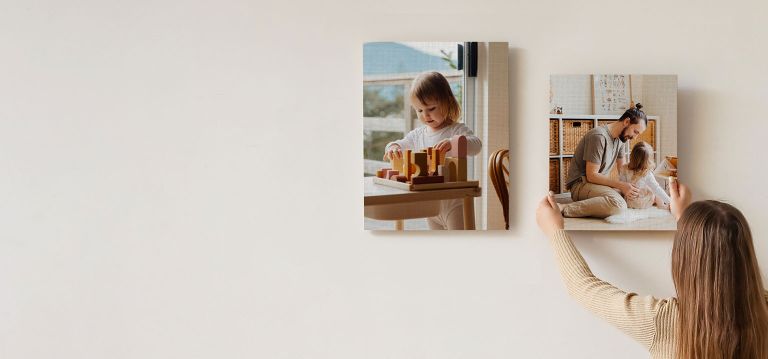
x: 499, y: 173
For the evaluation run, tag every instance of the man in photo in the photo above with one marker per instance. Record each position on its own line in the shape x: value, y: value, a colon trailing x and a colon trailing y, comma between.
x: 594, y: 192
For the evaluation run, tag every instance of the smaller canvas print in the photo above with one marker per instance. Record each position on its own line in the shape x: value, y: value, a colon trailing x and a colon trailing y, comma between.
x: 612, y: 149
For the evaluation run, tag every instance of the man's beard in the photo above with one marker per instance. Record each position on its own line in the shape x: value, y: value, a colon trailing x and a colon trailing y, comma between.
x: 622, y: 137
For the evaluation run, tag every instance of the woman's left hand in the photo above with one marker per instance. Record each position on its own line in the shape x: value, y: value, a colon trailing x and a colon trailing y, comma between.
x: 444, y: 145
x: 548, y: 215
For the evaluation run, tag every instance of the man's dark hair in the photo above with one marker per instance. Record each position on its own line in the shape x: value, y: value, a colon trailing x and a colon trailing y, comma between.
x: 634, y: 114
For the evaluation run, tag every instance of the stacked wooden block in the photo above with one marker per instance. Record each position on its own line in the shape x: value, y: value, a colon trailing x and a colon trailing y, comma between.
x: 430, y: 165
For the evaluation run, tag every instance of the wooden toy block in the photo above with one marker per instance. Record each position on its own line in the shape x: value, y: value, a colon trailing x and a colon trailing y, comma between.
x: 390, y: 173
x: 420, y: 161
x: 401, y: 178
x: 449, y: 169
x: 455, y: 169
x: 382, y: 173
x: 427, y: 179
x: 396, y: 163
x: 441, y: 157
x: 461, y: 169
x: 458, y: 147
x: 433, y: 160
x: 429, y: 159
x: 440, y: 170
x: 407, y: 168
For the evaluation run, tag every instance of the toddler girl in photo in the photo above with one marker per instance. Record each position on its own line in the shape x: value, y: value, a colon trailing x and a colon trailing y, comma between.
x: 434, y: 103
x: 639, y: 172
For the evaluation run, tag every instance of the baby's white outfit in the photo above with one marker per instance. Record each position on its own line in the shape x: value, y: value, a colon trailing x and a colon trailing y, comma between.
x: 648, y: 187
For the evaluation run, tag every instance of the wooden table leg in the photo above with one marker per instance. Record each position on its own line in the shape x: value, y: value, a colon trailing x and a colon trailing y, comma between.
x: 469, y: 212
x: 399, y: 225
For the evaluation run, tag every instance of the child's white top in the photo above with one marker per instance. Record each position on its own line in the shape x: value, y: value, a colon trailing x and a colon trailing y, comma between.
x: 647, y: 181
x: 424, y: 136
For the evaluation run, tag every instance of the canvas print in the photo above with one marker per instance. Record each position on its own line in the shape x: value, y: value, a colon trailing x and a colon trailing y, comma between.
x: 425, y: 156
x: 612, y: 150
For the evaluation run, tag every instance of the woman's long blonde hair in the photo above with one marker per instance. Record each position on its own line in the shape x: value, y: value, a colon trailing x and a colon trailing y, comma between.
x: 722, y: 304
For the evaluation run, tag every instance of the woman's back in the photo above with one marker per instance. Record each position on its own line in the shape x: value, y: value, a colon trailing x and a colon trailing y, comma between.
x: 722, y: 311
x: 721, y: 308
x: 653, y: 322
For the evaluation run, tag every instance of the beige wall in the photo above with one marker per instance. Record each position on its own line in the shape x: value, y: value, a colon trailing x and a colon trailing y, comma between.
x: 181, y: 179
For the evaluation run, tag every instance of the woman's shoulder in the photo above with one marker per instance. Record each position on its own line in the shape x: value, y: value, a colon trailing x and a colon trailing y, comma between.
x: 668, y: 302
x: 664, y: 323
x: 659, y: 303
x: 666, y: 309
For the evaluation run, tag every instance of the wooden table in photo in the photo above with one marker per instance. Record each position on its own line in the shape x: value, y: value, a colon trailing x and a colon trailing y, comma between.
x: 389, y: 200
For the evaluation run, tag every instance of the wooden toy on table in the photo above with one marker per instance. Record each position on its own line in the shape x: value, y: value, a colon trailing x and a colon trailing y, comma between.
x: 396, y: 164
x: 435, y: 160
x: 429, y: 168
x: 421, y: 164
x: 407, y: 161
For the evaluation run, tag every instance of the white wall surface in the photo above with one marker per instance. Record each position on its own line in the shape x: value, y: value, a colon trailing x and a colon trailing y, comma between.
x: 180, y: 179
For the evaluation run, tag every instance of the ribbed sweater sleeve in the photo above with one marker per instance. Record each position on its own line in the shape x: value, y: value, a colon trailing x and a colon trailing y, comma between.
x: 630, y: 313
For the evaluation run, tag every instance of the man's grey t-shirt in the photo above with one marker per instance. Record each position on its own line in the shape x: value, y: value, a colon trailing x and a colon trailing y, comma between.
x: 596, y: 146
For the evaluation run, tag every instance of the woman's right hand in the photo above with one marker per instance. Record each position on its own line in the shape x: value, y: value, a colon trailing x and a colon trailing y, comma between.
x: 394, y: 152
x: 681, y: 197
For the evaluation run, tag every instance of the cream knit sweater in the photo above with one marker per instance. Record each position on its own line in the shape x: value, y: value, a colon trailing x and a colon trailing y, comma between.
x: 650, y: 321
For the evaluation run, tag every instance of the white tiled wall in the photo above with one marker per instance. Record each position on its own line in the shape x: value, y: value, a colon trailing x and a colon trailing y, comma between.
x: 572, y: 92
x: 657, y: 94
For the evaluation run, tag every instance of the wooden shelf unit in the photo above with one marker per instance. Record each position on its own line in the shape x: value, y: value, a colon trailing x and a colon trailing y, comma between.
x: 560, y: 124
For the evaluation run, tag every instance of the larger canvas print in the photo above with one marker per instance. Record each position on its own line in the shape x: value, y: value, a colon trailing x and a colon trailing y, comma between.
x: 612, y: 149
x: 425, y: 151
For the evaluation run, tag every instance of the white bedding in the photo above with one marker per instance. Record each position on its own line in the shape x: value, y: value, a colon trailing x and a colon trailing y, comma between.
x: 631, y: 215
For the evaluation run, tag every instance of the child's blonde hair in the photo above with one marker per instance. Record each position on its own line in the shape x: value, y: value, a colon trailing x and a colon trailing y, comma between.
x: 433, y: 86
x: 641, y: 160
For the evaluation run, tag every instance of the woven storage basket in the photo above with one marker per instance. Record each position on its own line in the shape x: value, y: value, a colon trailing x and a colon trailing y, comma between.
x: 648, y: 136
x: 554, y: 175
x: 573, y: 131
x: 554, y: 138
x: 564, y: 173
